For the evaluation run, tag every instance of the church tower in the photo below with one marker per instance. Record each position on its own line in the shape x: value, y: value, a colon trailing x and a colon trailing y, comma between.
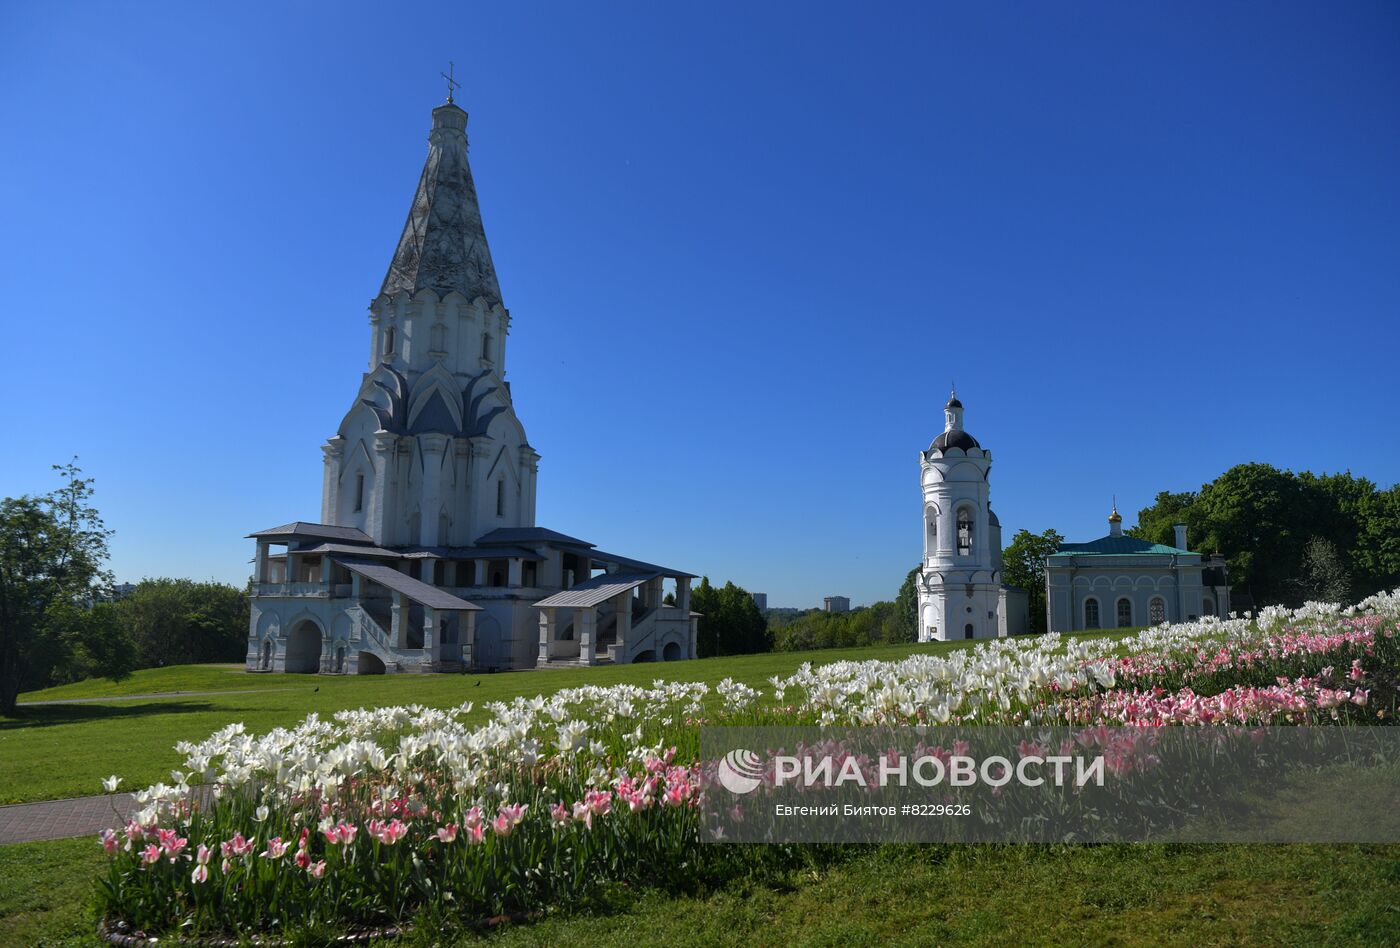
x: 960, y: 594
x: 431, y: 452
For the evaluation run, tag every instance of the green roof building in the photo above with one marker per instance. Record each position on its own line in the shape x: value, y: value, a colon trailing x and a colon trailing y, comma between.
x: 1118, y: 581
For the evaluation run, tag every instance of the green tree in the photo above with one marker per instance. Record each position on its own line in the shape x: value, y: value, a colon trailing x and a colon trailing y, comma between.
x: 1023, y: 565
x: 1257, y: 515
x: 52, y: 551
x: 180, y: 621
x: 1376, y: 556
x: 1325, y: 577
x: 1157, y: 523
x: 904, y: 618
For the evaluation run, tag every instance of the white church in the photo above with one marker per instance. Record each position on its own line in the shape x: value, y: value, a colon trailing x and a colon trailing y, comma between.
x: 961, y: 594
x: 426, y: 556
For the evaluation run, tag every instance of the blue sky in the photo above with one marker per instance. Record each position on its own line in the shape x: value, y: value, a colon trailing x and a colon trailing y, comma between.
x: 745, y: 247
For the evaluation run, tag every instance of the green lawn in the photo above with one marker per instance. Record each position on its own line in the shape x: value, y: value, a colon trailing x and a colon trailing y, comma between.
x: 1109, y: 895
x: 65, y: 750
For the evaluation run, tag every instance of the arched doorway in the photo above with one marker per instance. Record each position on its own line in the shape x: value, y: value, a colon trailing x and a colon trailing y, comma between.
x: 647, y: 656
x: 369, y: 664
x: 304, y: 649
x: 672, y: 652
x: 265, y: 662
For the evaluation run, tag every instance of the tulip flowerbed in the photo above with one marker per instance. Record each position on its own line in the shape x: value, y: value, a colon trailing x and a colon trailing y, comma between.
x: 383, y: 817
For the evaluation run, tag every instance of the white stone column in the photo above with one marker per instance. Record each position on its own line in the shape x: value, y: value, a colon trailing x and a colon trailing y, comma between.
x: 513, y: 571
x: 546, y: 634
x: 683, y: 593
x: 260, y: 573
x: 466, y: 628
x: 432, y: 639
x: 398, y: 624
x: 376, y: 522
x: 432, y: 447
x: 585, y: 621
x: 334, y: 450
x: 461, y: 508
x: 481, y: 497
x: 624, y: 620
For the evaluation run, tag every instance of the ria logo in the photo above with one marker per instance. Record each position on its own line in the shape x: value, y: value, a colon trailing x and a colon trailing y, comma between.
x: 741, y: 771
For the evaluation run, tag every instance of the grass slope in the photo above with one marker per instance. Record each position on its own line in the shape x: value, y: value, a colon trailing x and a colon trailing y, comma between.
x: 983, y: 895
x: 64, y: 750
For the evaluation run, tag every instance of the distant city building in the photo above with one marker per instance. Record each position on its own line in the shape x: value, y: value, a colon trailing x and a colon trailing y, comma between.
x: 961, y: 595
x: 837, y: 604
x: 427, y: 557
x: 1119, y: 581
x: 760, y: 600
x: 116, y: 593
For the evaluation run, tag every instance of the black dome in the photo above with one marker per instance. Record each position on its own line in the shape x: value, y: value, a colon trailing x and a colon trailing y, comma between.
x: 954, y: 439
x: 953, y: 402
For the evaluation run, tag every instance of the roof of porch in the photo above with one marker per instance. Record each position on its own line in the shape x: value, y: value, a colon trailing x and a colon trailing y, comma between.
x: 419, y: 592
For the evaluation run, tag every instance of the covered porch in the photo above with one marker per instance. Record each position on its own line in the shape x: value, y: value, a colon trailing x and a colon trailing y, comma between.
x: 615, y: 617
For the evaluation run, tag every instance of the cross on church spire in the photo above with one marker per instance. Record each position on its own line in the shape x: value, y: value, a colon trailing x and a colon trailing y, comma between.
x: 452, y: 84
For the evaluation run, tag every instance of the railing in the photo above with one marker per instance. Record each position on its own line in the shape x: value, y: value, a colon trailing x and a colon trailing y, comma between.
x: 291, y: 589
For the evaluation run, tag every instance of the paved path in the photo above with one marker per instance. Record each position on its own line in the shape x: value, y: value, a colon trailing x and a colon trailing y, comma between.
x: 60, y: 819
x: 154, y: 694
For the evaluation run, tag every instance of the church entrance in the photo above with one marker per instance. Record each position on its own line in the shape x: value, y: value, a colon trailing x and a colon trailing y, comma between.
x: 304, y: 649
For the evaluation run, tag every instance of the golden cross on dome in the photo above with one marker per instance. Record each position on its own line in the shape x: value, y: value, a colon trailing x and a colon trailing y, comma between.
x: 452, y: 84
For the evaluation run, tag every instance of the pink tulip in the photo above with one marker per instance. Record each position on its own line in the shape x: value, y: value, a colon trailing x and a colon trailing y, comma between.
x: 559, y: 813
x: 317, y: 869
x: 476, y: 832
x: 447, y: 834
x: 150, y: 854
x: 108, y: 838
x: 341, y: 834
x: 276, y: 849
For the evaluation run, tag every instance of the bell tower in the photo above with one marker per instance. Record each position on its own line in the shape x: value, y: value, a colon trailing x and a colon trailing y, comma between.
x: 960, y: 577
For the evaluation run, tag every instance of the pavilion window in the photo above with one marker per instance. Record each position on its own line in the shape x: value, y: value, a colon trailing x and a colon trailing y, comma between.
x: 964, y: 532
x: 1157, y: 610
x: 500, y: 498
x: 359, y: 492
x: 1125, y: 613
x: 1091, y: 614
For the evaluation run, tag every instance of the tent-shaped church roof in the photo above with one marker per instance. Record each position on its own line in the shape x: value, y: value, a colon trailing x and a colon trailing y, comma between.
x: 443, y: 245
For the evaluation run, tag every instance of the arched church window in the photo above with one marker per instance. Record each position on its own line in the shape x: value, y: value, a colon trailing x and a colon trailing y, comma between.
x: 964, y: 532
x: 486, y: 346
x: 359, y: 492
x: 389, y: 341
x: 1157, y: 610
x: 439, y: 337
x: 500, y: 498
x: 1091, y: 613
x: 1125, y: 613
x: 967, y: 631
